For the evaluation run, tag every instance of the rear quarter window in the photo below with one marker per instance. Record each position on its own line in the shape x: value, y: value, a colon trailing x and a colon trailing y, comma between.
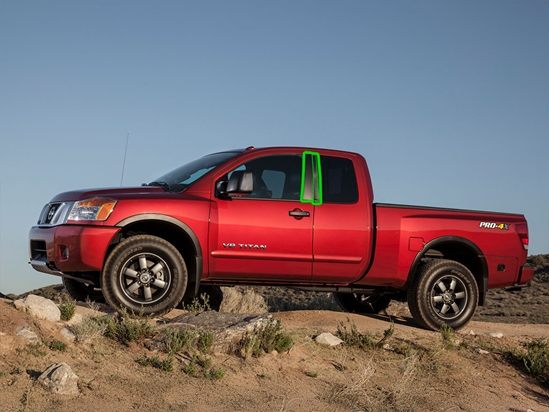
x: 338, y: 180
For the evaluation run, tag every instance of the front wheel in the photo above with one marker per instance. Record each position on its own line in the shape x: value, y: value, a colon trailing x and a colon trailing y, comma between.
x: 444, y: 292
x: 360, y: 303
x: 144, y: 274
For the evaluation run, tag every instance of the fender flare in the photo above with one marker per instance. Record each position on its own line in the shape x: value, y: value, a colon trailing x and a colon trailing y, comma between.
x: 482, y: 281
x: 178, y: 223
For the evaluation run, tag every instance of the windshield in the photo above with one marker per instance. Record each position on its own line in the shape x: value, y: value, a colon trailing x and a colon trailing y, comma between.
x: 182, y: 177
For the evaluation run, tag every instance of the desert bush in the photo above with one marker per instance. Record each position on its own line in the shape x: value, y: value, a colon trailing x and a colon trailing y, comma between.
x: 67, y: 309
x: 125, y: 329
x: 57, y: 345
x: 214, y: 373
x: 202, y: 366
x: 199, y: 304
x: 353, y: 338
x: 536, y: 359
x: 35, y: 349
x: 265, y: 339
x: 91, y: 327
x: 205, y: 341
x: 448, y: 337
x: 165, y: 365
x: 177, y: 340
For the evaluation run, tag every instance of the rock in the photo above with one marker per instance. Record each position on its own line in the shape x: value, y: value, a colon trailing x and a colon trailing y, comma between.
x: 39, y: 307
x: 60, y: 378
x: 498, y: 335
x: 226, y: 327
x: 27, y: 333
x: 328, y: 339
x: 482, y: 351
x: 68, y: 335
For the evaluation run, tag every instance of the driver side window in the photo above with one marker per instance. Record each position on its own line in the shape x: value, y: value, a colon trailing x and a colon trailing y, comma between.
x: 274, y: 177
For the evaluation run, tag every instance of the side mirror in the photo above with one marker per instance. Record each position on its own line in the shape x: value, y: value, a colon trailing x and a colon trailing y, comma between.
x: 240, y: 183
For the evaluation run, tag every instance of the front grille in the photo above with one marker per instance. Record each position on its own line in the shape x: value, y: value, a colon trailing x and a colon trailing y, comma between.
x: 54, y: 214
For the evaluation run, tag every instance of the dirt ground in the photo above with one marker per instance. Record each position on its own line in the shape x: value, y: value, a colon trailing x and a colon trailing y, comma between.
x: 415, y: 371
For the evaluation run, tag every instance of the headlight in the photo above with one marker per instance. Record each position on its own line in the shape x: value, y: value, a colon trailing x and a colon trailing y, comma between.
x: 96, y: 208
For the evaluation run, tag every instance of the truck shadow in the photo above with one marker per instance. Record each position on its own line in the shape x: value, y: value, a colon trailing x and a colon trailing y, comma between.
x: 397, y: 320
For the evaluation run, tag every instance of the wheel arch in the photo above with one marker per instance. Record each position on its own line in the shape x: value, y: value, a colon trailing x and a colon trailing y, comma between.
x: 458, y: 249
x: 173, y: 231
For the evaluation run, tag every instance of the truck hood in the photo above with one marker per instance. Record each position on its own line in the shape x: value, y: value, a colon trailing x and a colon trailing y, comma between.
x: 113, y: 193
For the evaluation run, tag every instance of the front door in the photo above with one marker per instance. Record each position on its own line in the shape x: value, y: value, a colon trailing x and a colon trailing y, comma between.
x: 267, y: 234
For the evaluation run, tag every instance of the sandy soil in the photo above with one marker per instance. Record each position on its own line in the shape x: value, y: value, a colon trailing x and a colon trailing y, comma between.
x: 414, y: 373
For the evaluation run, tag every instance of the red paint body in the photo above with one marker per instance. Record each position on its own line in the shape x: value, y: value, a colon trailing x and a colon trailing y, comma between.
x: 255, y: 241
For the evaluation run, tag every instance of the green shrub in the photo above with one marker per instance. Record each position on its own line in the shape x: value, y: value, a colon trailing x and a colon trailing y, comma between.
x: 91, y: 327
x: 34, y: 349
x: 57, y: 345
x: 177, y: 340
x: 205, y: 342
x: 353, y: 338
x: 203, y: 363
x: 125, y: 329
x: 67, y: 309
x: 448, y: 337
x: 266, y: 339
x: 214, y: 373
x: 199, y: 304
x: 190, y: 368
x: 165, y: 365
x: 536, y: 359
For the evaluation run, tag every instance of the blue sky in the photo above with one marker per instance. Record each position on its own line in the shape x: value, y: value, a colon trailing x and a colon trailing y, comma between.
x: 448, y: 101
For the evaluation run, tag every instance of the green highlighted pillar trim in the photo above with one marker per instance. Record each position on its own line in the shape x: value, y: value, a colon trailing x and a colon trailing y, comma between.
x: 311, y: 179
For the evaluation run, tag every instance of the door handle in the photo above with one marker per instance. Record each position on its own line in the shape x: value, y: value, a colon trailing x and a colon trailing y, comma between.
x: 299, y: 214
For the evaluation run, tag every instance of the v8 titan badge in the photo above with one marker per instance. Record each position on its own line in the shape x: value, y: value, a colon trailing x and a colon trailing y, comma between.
x: 494, y: 225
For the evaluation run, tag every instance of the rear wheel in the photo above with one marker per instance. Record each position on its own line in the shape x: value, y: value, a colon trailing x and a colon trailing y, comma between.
x: 444, y: 292
x: 144, y: 274
x: 83, y: 291
x: 360, y: 303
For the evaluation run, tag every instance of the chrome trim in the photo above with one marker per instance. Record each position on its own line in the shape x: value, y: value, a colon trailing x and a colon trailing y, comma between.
x: 55, y: 214
x: 41, y: 266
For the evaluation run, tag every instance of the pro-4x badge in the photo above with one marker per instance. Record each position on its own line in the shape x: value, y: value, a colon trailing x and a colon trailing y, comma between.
x: 493, y: 225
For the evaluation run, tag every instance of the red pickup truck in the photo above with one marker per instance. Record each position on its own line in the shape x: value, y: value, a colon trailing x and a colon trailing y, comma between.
x: 286, y: 216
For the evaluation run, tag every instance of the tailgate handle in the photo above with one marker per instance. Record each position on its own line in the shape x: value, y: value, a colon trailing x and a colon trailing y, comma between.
x: 299, y: 214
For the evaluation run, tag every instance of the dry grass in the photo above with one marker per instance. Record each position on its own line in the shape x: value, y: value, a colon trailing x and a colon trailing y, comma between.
x: 246, y: 301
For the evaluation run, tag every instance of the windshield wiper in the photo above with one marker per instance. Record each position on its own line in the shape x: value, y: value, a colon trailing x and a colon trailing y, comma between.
x: 163, y: 185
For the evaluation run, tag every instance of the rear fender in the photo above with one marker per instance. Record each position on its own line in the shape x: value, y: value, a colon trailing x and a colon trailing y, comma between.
x: 460, y: 250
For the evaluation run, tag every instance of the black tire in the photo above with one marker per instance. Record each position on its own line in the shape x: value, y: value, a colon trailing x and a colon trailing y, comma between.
x: 144, y: 274
x: 360, y: 303
x: 444, y: 292
x: 82, y: 291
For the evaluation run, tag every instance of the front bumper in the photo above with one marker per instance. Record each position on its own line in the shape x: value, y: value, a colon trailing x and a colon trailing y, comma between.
x: 67, y: 249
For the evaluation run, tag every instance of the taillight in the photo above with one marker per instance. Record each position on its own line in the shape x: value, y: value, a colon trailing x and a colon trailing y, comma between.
x: 522, y: 231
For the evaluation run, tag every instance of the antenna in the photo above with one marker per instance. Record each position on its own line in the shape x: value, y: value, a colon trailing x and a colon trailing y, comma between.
x: 124, y: 163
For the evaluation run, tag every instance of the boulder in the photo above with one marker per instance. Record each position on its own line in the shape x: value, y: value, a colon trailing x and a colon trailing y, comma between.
x: 328, y: 339
x: 39, y: 307
x: 60, y: 378
x: 226, y: 327
x: 27, y: 333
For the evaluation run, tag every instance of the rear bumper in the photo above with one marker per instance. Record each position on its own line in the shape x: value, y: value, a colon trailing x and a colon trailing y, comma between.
x: 66, y: 249
x: 526, y: 275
